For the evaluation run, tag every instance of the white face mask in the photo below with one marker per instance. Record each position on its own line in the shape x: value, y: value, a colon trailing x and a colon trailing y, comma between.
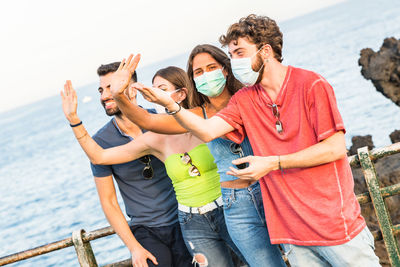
x: 242, y: 70
x: 171, y: 92
x: 161, y: 109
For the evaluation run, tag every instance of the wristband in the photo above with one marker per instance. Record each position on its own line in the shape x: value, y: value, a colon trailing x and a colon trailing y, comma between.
x: 75, y: 125
x: 173, y: 112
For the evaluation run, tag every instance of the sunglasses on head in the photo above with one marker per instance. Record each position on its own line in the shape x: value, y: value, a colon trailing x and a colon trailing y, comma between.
x: 237, y: 149
x: 147, y: 170
x: 193, y: 171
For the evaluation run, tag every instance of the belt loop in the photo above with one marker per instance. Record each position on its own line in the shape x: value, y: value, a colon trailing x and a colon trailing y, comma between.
x: 216, y: 203
x: 190, y: 211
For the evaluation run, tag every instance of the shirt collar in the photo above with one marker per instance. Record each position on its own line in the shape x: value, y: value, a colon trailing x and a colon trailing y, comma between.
x: 114, y: 121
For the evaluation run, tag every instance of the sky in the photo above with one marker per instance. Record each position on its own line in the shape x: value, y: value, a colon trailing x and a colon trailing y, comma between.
x: 45, y: 42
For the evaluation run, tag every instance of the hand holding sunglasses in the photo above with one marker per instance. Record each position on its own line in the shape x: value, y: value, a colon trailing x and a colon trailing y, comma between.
x: 237, y: 149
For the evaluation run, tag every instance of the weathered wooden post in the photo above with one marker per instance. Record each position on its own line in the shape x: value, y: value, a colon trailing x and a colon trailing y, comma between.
x: 382, y: 214
x: 83, y: 250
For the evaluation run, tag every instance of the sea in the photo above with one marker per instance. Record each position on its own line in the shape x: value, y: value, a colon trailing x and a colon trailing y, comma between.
x: 46, y: 185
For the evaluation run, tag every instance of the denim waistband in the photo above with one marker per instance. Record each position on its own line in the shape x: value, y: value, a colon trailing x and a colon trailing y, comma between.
x: 240, y: 190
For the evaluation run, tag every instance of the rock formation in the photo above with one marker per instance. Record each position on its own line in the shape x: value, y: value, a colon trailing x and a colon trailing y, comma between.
x: 395, y: 136
x: 383, y: 68
x: 360, y: 141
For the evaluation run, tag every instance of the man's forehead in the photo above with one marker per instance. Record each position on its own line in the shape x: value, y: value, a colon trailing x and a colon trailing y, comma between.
x: 241, y: 42
x: 105, y: 80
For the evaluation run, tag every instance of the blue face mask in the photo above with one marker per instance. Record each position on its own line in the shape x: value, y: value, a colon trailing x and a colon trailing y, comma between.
x: 211, y: 83
x: 242, y: 70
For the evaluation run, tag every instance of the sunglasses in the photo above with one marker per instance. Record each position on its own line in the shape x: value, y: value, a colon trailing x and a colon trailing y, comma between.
x: 237, y: 149
x: 278, y: 123
x: 193, y: 171
x: 147, y: 172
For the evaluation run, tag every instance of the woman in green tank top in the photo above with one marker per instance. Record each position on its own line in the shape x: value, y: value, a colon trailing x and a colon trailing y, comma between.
x: 188, y: 162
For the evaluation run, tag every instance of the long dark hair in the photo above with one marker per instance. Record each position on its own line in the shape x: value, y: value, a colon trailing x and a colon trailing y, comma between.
x: 179, y: 79
x: 197, y: 99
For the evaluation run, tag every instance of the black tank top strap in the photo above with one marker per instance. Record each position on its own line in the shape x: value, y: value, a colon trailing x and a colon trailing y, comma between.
x: 204, y: 112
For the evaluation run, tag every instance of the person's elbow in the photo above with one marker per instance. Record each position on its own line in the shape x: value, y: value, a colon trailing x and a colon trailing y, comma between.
x: 214, y: 128
x: 338, y: 146
x: 339, y: 152
x: 97, y: 161
x: 207, y: 137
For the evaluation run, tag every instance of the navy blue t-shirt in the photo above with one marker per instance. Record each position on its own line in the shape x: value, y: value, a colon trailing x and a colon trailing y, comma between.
x: 147, y: 202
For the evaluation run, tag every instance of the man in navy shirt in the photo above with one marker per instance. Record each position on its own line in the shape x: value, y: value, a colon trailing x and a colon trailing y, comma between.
x: 153, y: 234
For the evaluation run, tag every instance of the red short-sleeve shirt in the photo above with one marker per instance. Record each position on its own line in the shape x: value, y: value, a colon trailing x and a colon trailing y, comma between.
x: 303, y: 206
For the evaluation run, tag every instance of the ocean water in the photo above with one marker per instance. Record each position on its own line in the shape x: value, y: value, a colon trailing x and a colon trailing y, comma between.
x: 47, y: 189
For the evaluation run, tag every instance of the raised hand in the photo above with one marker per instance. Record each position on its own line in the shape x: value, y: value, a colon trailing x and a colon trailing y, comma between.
x: 69, y: 103
x: 121, y: 78
x: 154, y: 95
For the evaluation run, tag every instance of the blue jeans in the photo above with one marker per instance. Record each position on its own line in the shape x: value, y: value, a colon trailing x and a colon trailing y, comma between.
x: 206, y: 234
x: 244, y: 217
x: 357, y: 252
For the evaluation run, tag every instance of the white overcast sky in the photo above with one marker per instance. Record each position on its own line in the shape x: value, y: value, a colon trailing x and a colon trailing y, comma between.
x: 45, y: 42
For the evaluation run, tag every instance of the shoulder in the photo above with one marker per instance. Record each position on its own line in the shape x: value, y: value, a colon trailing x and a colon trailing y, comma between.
x: 303, y: 74
x: 104, y: 130
x: 197, y: 110
x: 246, y: 91
x: 151, y: 137
x: 308, y: 78
x: 104, y: 134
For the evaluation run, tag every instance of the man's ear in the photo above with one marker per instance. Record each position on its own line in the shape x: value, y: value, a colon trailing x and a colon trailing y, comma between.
x: 267, y: 51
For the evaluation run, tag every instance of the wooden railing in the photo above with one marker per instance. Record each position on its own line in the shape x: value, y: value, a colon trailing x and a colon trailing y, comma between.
x: 364, y: 158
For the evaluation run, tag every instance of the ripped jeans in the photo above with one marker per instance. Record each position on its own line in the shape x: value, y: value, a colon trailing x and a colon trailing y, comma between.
x: 206, y: 235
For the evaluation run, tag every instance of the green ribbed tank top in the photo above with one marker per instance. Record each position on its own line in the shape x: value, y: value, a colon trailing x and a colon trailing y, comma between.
x: 198, y: 190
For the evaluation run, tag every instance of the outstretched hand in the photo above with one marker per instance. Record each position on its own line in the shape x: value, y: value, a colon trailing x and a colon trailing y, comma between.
x: 69, y: 102
x: 122, y: 76
x: 154, y: 95
x: 258, y: 167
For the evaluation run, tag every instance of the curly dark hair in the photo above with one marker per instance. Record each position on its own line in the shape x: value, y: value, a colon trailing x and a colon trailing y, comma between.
x: 259, y: 30
x: 197, y: 99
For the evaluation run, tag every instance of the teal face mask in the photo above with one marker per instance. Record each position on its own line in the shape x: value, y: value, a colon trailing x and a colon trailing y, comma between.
x: 211, y: 83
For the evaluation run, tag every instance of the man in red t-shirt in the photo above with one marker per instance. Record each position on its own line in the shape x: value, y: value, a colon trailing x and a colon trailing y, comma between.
x: 291, y: 118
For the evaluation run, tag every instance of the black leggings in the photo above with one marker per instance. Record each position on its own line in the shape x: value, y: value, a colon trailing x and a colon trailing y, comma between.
x: 165, y: 243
